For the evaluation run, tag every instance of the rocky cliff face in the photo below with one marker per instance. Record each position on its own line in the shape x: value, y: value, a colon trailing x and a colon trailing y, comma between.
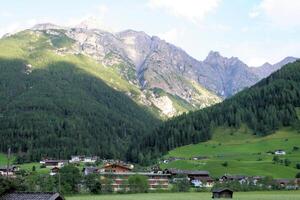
x: 151, y: 63
x: 146, y: 62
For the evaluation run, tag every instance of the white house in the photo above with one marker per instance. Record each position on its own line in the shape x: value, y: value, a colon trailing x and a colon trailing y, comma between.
x: 90, y: 159
x: 279, y: 152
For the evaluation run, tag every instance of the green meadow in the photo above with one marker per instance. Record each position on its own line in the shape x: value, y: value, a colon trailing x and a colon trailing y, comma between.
x: 274, y: 195
x: 243, y: 152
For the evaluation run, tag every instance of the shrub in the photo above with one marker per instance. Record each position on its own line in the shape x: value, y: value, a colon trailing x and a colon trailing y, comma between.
x: 138, y: 183
x: 225, y: 164
x: 287, y: 162
x: 276, y: 159
x: 298, y: 175
x: 298, y: 165
x: 181, y: 185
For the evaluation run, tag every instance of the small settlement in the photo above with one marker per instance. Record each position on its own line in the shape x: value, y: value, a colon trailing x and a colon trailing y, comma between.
x: 119, y: 172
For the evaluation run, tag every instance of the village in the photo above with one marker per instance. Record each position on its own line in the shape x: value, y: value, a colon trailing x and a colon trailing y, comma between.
x: 158, y: 179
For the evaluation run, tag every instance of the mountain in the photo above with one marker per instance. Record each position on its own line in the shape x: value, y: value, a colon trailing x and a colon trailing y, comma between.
x: 267, y: 68
x: 227, y: 76
x: 61, y: 85
x: 148, y: 63
x: 263, y: 108
x: 154, y: 65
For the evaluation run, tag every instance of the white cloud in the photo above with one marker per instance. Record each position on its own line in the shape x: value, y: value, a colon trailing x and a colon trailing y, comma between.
x: 172, y: 35
x: 193, y: 10
x: 281, y: 13
x: 93, y: 19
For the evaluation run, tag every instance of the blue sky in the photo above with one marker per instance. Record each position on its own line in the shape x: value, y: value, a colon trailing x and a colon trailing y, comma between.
x: 256, y: 31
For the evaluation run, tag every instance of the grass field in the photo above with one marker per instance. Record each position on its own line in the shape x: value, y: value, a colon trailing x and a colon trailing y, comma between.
x: 245, y: 153
x: 278, y: 195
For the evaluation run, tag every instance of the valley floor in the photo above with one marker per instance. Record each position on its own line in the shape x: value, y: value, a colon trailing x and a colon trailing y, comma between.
x: 272, y: 195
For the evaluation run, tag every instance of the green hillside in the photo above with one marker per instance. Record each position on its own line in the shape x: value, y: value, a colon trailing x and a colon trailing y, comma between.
x: 245, y: 154
x: 265, y: 108
x: 55, y: 105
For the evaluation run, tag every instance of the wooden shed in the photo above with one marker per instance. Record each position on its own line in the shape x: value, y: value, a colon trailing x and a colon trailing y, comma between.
x: 222, y: 193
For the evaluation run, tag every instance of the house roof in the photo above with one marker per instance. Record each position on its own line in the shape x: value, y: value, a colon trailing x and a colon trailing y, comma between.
x: 4, y: 168
x: 187, y: 172
x: 32, y: 196
x: 234, y: 177
x: 217, y: 190
x: 90, y: 170
x: 286, y: 181
x: 119, y: 165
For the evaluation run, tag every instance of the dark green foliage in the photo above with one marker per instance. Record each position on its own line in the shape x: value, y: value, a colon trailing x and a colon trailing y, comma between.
x: 298, y: 165
x: 265, y: 107
x: 138, y: 183
x: 8, y: 185
x: 62, y: 110
x: 92, y: 182
x: 298, y: 175
x: 106, y: 185
x: 275, y: 159
x: 181, y: 185
x: 287, y: 162
x: 225, y: 164
x: 69, y: 177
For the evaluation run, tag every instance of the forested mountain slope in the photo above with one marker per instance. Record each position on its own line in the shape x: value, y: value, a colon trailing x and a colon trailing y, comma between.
x: 264, y: 108
x: 58, y: 105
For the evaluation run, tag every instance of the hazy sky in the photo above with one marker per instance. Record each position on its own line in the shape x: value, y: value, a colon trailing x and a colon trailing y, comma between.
x: 256, y: 31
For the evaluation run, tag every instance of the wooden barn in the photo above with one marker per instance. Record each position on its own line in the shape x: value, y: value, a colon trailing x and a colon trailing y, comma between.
x: 222, y: 193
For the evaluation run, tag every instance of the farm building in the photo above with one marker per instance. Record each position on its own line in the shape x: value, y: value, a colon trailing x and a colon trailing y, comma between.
x: 32, y: 196
x: 240, y: 178
x: 54, y: 171
x: 53, y: 163
x: 117, y: 168
x: 279, y: 152
x: 197, y: 178
x: 8, y: 171
x: 222, y: 193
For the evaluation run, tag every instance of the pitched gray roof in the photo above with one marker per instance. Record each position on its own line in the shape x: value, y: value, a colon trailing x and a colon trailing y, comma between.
x: 32, y: 196
x: 221, y: 190
x: 188, y: 172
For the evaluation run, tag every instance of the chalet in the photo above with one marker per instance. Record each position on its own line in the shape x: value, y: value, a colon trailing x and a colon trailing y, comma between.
x: 76, y: 159
x: 53, y: 163
x: 32, y: 196
x: 222, y: 193
x: 279, y: 152
x: 117, y: 168
x: 11, y: 171
x: 120, y: 180
x: 90, y: 159
x: 54, y: 171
